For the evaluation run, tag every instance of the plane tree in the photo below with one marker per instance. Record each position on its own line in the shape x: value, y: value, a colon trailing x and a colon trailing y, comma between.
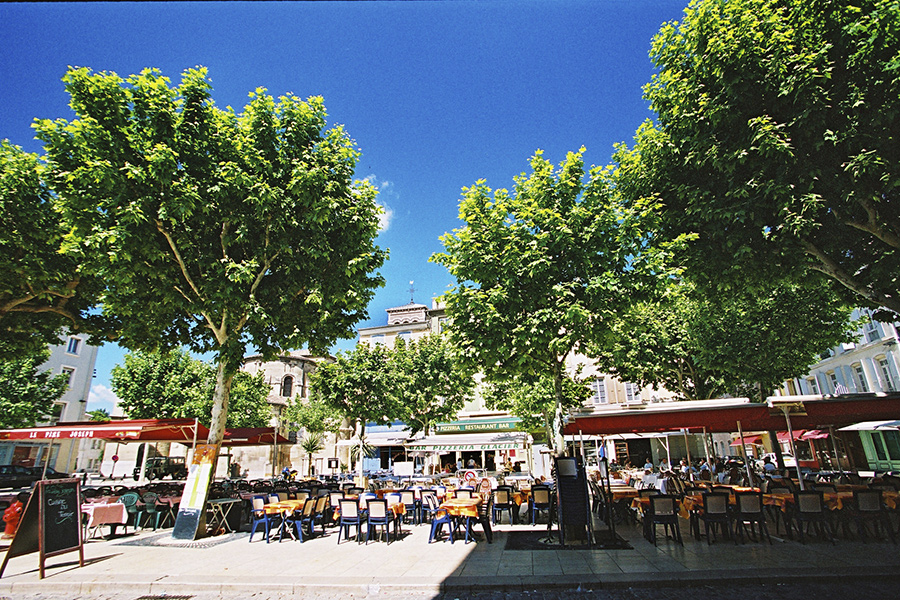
x: 211, y: 229
x: 775, y: 142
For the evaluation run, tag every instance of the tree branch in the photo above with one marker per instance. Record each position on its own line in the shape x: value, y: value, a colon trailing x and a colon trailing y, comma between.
x: 179, y: 260
x: 832, y: 269
x: 872, y: 226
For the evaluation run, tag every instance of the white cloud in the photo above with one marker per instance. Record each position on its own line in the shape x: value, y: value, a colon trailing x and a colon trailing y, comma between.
x: 103, y: 397
x: 385, y: 190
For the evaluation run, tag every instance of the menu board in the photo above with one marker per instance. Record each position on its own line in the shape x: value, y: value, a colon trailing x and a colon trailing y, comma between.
x: 192, y: 510
x: 51, y: 522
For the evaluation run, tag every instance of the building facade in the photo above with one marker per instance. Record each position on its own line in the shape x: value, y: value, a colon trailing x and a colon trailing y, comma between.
x: 74, y: 357
x: 869, y: 364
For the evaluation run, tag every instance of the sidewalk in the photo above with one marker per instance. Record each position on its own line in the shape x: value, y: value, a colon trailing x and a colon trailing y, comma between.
x: 147, y: 563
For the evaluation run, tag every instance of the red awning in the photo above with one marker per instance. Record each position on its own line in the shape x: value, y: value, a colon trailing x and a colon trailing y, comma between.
x: 748, y: 439
x: 815, y: 434
x: 136, y: 430
x: 809, y: 412
x: 784, y: 437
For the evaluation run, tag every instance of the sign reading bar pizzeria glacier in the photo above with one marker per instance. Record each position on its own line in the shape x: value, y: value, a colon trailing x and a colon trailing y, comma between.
x: 464, y: 447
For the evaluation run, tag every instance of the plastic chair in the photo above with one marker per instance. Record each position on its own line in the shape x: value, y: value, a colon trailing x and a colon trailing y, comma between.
x: 541, y: 500
x: 408, y: 498
x: 663, y: 511
x: 379, y: 515
x: 715, y: 512
x: 258, y: 516
x: 350, y: 517
x: 503, y: 501
x: 809, y: 507
x: 868, y: 506
x: 750, y: 510
x: 320, y: 515
x: 441, y: 518
x: 150, y: 509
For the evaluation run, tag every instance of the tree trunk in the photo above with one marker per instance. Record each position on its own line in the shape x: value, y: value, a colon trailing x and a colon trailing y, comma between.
x: 558, y: 441
x: 220, y: 403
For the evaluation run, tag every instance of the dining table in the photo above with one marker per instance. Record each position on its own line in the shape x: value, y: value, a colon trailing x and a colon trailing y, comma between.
x: 468, y: 509
x: 102, y: 513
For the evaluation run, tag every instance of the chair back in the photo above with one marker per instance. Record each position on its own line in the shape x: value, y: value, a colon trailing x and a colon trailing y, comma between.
x: 282, y: 496
x: 809, y: 502
x: 464, y: 494
x: 335, y: 497
x: 354, y: 491
x: 541, y: 495
x: 663, y: 505
x: 258, y: 503
x: 407, y: 497
x: 273, y: 498
x: 321, y: 504
x: 377, y: 509
x: 867, y: 501
x: 502, y: 496
x: 130, y: 500
x: 749, y: 503
x: 647, y: 492
x: 89, y: 493
x: 309, y: 507
x: 349, y: 509
x: 715, y: 503
x: 364, y: 500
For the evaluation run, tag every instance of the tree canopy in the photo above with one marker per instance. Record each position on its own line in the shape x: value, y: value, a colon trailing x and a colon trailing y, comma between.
x: 213, y: 230
x: 432, y: 383
x: 539, y: 271
x: 700, y: 347
x: 27, y: 394
x: 42, y: 286
x: 152, y: 385
x: 776, y: 142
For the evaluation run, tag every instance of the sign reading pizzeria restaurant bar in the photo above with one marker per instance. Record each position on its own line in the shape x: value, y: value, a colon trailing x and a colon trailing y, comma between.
x: 478, y: 425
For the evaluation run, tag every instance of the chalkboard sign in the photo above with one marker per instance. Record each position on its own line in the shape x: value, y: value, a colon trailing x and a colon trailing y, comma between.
x: 51, y: 522
x: 61, y: 510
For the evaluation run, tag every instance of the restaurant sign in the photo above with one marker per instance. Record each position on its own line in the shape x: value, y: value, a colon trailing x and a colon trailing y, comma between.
x: 464, y: 447
x: 477, y: 425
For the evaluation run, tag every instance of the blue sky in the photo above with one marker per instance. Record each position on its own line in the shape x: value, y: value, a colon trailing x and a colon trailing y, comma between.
x: 436, y: 94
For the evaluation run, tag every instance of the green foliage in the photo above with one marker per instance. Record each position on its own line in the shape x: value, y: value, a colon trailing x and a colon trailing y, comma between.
x: 42, y: 287
x: 213, y: 230
x: 534, y: 401
x: 312, y: 415
x: 100, y: 415
x: 432, y: 384
x: 702, y: 347
x: 27, y: 394
x: 153, y: 385
x: 776, y: 143
x: 312, y: 443
x: 539, y: 271
x: 360, y: 385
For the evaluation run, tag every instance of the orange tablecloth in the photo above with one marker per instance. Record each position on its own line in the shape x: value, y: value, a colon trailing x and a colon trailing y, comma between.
x: 623, y: 492
x: 461, y: 507
x: 276, y: 508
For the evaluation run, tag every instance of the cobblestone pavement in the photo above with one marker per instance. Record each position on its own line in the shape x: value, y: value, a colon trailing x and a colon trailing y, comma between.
x: 801, y: 591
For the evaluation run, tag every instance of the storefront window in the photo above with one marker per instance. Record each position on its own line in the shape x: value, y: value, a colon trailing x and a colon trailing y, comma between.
x: 892, y: 441
x: 879, y: 447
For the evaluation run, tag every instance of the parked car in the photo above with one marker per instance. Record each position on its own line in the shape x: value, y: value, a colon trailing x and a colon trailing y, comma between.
x: 17, y: 476
x: 163, y: 466
x: 39, y: 472
x: 788, y: 460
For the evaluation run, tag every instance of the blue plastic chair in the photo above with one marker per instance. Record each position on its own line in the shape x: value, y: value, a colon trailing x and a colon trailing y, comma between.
x: 350, y: 517
x: 379, y: 515
x: 441, y: 517
x: 541, y: 500
x: 503, y: 501
x: 259, y: 517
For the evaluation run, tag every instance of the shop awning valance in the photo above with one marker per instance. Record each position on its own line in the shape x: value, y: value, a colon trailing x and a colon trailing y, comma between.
x: 134, y: 430
x: 748, y: 439
x: 513, y: 440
